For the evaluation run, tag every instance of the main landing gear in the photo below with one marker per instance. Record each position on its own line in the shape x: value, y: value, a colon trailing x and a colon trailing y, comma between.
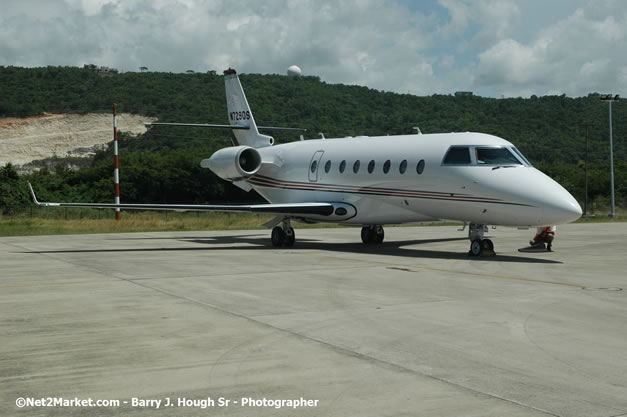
x: 372, y: 233
x: 283, y: 236
x: 478, y: 245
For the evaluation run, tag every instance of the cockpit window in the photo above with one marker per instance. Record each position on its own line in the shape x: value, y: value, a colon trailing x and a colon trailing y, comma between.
x: 521, y: 156
x: 496, y: 156
x: 457, y: 155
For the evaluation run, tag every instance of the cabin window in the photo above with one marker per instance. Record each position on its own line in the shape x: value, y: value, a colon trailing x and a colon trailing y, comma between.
x: 342, y: 166
x: 403, y: 166
x: 371, y: 167
x: 496, y: 156
x: 420, y: 167
x: 356, y: 166
x: 327, y: 167
x: 386, y: 166
x: 458, y: 155
x: 314, y: 165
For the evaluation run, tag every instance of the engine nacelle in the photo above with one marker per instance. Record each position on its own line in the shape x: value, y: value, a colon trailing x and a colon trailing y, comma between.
x: 234, y: 163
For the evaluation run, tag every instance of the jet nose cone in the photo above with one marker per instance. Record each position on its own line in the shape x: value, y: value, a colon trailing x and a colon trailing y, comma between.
x: 562, y: 209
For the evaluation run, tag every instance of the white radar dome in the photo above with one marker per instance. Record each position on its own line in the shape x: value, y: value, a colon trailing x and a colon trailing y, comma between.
x: 294, y: 70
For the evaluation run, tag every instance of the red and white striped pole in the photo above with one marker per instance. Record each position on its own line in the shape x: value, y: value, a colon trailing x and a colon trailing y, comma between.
x: 116, y: 170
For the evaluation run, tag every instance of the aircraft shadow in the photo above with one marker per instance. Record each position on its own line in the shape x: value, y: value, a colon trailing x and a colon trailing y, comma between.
x: 259, y: 242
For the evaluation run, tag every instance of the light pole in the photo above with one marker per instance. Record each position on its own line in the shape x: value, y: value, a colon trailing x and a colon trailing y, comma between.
x: 609, y: 98
x: 586, y: 126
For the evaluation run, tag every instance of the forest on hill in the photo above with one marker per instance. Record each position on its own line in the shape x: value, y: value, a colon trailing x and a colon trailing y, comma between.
x: 162, y: 165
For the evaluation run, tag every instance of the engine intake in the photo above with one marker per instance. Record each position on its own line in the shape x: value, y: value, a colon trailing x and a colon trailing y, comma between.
x: 234, y: 163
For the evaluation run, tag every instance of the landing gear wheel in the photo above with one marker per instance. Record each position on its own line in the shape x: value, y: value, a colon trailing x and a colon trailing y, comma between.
x: 372, y: 234
x: 290, y: 239
x: 379, y: 234
x: 476, y: 247
x: 487, y: 244
x: 278, y: 237
x: 367, y: 235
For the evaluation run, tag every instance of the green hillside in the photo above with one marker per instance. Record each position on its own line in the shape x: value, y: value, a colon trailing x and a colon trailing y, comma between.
x: 163, y: 164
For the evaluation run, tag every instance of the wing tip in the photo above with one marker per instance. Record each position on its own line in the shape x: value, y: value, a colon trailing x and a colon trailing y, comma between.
x: 32, y: 194
x: 34, y: 197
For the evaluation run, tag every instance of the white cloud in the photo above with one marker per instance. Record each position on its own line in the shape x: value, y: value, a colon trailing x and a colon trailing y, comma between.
x: 437, y: 46
x: 576, y: 55
x: 358, y: 42
x: 493, y: 19
x: 509, y: 62
x: 460, y: 14
x: 89, y: 7
x: 594, y: 68
x: 497, y: 20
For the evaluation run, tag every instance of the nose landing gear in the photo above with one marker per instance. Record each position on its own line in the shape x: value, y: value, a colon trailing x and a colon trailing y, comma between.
x: 478, y: 245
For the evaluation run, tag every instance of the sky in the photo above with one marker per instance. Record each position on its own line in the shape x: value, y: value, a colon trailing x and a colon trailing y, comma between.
x: 494, y: 48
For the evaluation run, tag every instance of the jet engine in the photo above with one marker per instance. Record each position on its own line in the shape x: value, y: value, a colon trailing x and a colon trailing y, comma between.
x: 234, y: 163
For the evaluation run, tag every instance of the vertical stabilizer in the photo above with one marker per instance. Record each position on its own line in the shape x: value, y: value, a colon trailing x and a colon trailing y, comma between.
x: 241, y: 115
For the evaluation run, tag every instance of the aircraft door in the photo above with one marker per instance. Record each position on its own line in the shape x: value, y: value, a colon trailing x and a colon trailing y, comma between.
x: 314, y: 166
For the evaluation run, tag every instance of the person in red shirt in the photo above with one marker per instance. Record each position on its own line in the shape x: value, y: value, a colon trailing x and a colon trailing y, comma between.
x: 544, y: 234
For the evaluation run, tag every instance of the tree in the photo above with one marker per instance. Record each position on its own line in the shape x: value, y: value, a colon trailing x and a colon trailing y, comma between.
x: 12, y: 194
x: 543, y: 128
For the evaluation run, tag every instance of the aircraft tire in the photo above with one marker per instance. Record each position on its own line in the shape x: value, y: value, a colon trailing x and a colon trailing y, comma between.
x: 277, y: 236
x: 367, y: 235
x: 476, y: 247
x: 487, y: 244
x: 379, y: 235
x: 290, y: 239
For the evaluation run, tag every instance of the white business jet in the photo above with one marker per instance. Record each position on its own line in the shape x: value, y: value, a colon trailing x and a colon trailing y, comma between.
x: 474, y: 178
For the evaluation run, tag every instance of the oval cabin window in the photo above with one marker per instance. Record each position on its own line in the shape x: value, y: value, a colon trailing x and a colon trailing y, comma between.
x: 386, y: 166
x: 403, y: 166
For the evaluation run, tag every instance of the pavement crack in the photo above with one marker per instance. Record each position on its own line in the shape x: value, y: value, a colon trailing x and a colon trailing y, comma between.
x: 342, y: 350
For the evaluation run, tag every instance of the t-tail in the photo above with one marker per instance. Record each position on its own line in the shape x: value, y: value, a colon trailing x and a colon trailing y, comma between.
x: 240, y: 114
x: 242, y: 122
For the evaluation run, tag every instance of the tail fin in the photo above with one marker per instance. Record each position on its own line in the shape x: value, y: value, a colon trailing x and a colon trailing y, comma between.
x: 240, y: 114
x: 242, y: 123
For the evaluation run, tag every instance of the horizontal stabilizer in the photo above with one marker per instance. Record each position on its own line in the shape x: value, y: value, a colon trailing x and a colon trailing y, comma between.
x: 198, y: 125
x: 224, y: 126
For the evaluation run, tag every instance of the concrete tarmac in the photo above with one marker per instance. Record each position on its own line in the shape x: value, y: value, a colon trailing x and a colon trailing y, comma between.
x: 412, y: 327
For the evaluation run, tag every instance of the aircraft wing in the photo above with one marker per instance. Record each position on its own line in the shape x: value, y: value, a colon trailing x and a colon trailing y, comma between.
x: 306, y: 210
